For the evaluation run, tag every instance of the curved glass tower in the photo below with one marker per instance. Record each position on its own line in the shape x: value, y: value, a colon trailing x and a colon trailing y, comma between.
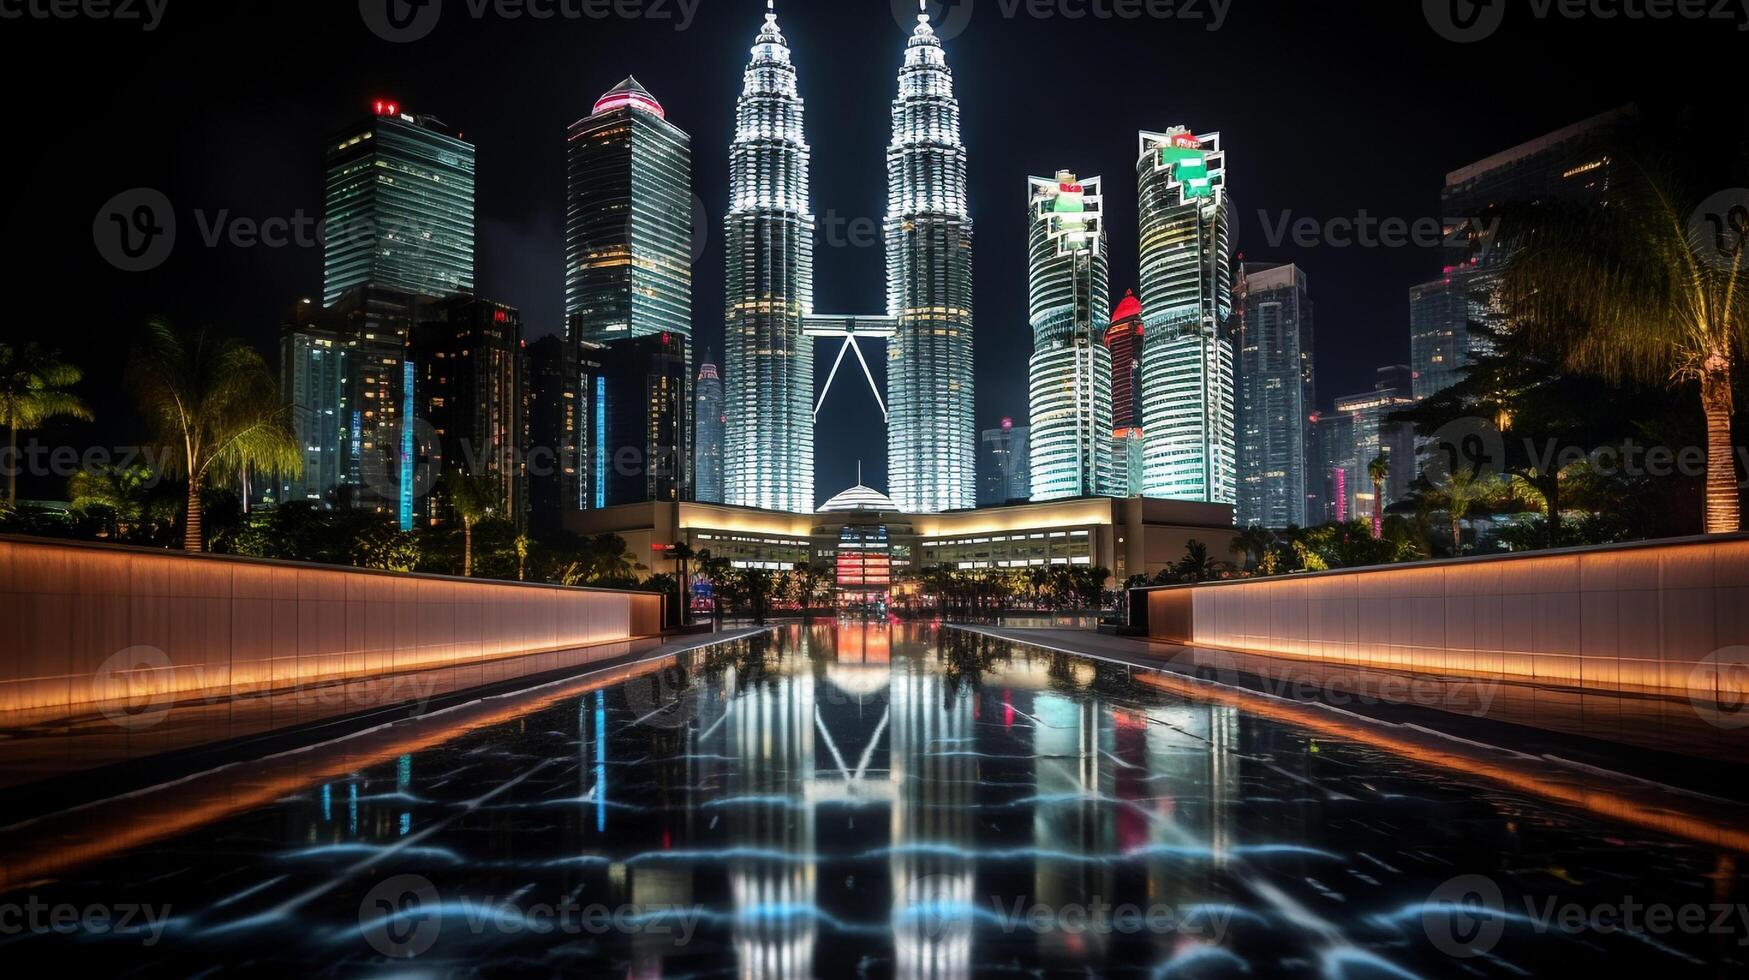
x: 931, y: 435
x: 1069, y: 292
x: 769, y: 235
x: 1187, y: 290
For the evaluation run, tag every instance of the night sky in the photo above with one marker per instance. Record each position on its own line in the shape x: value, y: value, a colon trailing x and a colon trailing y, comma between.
x: 1326, y: 108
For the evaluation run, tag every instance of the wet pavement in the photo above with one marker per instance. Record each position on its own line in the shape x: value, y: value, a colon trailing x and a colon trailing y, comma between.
x: 848, y: 800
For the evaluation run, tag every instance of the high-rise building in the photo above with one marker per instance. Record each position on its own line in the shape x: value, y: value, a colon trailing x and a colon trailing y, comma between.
x: 1333, y: 454
x: 312, y: 366
x: 1070, y: 370
x: 769, y: 242
x: 707, y: 420
x: 628, y: 220
x: 1124, y: 340
x: 1372, y: 434
x: 1007, y: 466
x: 556, y: 418
x: 358, y: 424
x: 1187, y: 291
x: 400, y: 207
x: 468, y: 360
x: 1276, y: 394
x: 1570, y: 164
x: 637, y: 432
x: 932, y: 429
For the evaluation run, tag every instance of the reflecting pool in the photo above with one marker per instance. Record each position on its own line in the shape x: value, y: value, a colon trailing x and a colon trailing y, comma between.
x: 845, y: 800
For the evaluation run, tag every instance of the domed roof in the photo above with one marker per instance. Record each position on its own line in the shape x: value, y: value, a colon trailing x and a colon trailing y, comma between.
x: 858, y: 497
x: 1130, y: 306
x: 629, y: 93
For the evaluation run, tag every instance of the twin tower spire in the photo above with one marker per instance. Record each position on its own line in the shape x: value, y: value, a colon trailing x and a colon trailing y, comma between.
x: 771, y: 324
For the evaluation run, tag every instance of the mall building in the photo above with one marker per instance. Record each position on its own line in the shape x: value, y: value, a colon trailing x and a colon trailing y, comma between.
x: 864, y: 536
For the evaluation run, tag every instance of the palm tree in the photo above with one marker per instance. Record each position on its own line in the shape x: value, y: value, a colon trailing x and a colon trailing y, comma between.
x: 1252, y: 541
x: 1378, y: 471
x: 215, y: 409
x: 34, y: 387
x: 474, y: 497
x: 123, y: 496
x: 1459, y: 495
x: 1644, y: 289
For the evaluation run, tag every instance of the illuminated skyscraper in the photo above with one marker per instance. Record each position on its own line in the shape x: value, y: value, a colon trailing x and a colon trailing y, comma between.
x: 628, y: 220
x: 1276, y: 395
x: 1124, y: 340
x: 399, y: 209
x: 931, y: 434
x: 768, y: 361
x: 707, y: 420
x: 1187, y: 289
x: 1007, y: 465
x: 1070, y: 370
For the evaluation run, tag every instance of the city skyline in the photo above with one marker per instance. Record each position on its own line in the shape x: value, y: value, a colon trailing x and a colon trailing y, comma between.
x: 518, y: 168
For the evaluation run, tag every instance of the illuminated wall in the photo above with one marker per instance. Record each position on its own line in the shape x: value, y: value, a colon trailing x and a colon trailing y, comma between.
x: 1627, y: 619
x: 145, y: 651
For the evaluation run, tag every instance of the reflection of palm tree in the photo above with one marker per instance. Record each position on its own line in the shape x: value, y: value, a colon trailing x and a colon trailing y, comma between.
x: 33, y: 389
x: 474, y: 497
x: 215, y: 407
x: 1378, y: 471
x: 1630, y: 292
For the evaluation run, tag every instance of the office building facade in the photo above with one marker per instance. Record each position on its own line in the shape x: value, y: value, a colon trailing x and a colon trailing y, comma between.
x: 1187, y: 375
x: 1276, y: 394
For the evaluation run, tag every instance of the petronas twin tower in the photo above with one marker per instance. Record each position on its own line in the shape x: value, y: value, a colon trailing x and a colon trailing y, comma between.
x: 771, y: 322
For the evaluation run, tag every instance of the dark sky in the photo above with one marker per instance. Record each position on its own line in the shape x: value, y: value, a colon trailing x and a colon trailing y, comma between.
x: 1327, y: 109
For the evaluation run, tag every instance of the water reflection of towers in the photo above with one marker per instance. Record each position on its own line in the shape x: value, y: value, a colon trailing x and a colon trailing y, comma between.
x: 934, y: 771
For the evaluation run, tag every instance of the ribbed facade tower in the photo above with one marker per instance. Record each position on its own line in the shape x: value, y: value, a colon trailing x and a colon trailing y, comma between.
x: 769, y: 363
x: 1070, y: 371
x: 1187, y: 290
x: 931, y: 435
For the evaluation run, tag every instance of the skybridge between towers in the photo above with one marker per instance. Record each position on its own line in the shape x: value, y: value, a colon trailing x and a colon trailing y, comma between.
x: 850, y: 327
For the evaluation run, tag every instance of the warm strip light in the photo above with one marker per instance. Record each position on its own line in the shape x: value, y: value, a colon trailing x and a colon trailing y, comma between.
x: 51, y: 846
